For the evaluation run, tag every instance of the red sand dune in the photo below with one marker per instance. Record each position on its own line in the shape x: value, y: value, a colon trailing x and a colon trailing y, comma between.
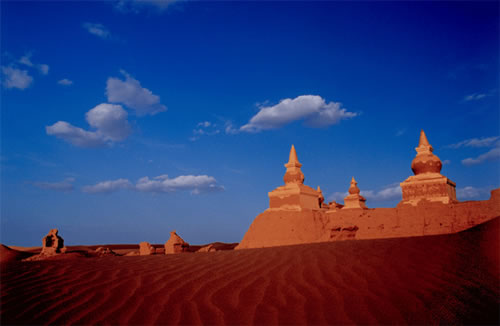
x: 9, y: 255
x: 446, y: 279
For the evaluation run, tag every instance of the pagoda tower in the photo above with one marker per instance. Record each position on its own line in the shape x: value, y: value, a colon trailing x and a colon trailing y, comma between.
x: 294, y: 195
x: 354, y: 199
x: 427, y: 183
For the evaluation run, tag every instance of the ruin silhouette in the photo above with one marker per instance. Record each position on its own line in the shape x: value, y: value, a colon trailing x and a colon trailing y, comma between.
x: 298, y: 214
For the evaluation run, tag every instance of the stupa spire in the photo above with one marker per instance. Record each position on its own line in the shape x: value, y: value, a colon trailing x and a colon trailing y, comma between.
x: 423, y: 139
x: 423, y: 144
x: 293, y: 173
x: 293, y: 160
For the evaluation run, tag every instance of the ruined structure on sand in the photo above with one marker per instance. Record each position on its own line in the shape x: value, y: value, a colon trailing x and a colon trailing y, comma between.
x: 175, y: 244
x: 297, y: 213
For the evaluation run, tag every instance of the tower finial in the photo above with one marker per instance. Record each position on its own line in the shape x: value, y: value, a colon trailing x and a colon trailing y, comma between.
x: 293, y: 173
x: 423, y: 139
x: 293, y: 160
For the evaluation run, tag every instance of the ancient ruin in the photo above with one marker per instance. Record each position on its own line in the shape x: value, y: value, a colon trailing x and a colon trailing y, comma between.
x: 354, y: 199
x: 175, y: 244
x: 297, y: 213
x: 52, y: 244
x: 427, y: 183
x: 146, y: 249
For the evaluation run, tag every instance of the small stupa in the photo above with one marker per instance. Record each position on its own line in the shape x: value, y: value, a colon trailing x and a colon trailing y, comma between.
x: 427, y: 183
x: 294, y: 195
x: 321, y: 199
x: 354, y: 199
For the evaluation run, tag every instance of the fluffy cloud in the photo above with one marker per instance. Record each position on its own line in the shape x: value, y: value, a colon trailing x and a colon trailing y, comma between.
x: 130, y: 93
x: 492, y: 155
x: 337, y: 196
x: 204, y: 128
x: 74, y: 135
x: 97, y: 29
x: 15, y: 78
x: 109, y: 120
x: 476, y: 142
x: 26, y: 60
x: 108, y: 186
x: 66, y: 185
x: 312, y: 109
x: 196, y: 184
x: 390, y: 192
x: 65, y: 82
x: 470, y: 192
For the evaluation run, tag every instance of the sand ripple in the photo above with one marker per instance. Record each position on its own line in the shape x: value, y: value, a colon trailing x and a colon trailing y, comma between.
x: 440, y: 279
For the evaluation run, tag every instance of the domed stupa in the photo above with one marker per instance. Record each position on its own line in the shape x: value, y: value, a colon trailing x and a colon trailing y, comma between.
x: 427, y: 183
x: 294, y: 195
x: 354, y: 199
x: 425, y: 161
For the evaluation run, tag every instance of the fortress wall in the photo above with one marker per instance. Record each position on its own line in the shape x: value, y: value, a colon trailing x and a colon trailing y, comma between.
x: 276, y: 227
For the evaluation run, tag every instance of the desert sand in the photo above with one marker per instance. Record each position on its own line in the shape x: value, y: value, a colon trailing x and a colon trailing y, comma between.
x: 446, y: 279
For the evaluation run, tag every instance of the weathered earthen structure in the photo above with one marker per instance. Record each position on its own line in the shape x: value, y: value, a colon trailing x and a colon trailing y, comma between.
x: 52, y: 244
x: 427, y: 183
x: 354, y: 199
x: 175, y: 244
x: 297, y: 213
x: 146, y: 249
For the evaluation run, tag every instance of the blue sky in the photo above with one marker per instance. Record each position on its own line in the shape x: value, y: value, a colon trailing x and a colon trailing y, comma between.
x: 122, y: 121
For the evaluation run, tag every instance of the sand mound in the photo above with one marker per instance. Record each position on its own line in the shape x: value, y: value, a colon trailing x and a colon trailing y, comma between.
x: 446, y: 279
x: 8, y: 255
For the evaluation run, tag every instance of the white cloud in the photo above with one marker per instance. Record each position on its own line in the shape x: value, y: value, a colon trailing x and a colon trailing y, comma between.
x: 312, y: 109
x: 65, y: 82
x: 445, y: 162
x: 109, y: 120
x: 390, y: 192
x: 97, y: 29
x: 74, y: 135
x: 492, y: 155
x: 229, y: 128
x: 26, y: 60
x: 15, y: 78
x: 475, y: 97
x: 66, y: 185
x: 195, y: 183
x: 470, y: 192
x: 108, y: 186
x: 476, y: 142
x: 130, y: 93
x: 337, y: 196
x: 206, y: 128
